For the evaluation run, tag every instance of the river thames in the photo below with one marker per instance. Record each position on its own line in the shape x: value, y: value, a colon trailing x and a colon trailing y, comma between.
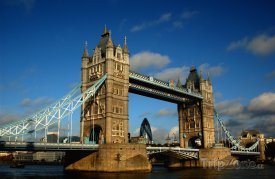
x: 159, y: 172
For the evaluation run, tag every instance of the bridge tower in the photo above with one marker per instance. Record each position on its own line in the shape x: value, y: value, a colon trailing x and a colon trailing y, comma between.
x: 196, y: 118
x: 104, y: 119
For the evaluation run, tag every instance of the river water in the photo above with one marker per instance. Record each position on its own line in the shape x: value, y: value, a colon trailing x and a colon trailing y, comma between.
x: 159, y: 172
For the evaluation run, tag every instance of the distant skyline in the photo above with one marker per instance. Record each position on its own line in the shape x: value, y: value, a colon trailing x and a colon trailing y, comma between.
x: 41, y: 44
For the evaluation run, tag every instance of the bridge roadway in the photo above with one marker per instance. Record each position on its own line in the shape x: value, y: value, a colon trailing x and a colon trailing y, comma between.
x: 182, y: 153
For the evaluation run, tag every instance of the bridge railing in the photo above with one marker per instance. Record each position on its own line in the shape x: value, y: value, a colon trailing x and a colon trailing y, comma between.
x: 37, y: 146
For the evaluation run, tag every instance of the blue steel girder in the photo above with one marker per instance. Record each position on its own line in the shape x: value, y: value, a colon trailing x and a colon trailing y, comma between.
x: 148, y: 85
x: 52, y: 114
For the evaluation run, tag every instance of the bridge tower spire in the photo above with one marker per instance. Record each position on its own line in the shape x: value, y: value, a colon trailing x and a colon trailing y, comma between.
x: 105, y: 118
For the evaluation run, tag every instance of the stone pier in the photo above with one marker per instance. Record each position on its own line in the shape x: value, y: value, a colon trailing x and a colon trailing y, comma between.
x: 205, y: 155
x: 110, y: 158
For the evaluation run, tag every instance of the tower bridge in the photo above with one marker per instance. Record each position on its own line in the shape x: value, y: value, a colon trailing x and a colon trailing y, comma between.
x: 106, y: 81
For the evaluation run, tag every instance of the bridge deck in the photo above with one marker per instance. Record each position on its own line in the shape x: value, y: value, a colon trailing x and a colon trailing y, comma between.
x: 33, y: 146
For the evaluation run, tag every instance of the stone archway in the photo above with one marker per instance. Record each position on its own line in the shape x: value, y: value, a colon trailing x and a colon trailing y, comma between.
x: 95, y: 134
x: 194, y: 142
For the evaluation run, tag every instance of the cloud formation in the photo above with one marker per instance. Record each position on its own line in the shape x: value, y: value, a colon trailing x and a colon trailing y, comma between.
x: 35, y: 103
x: 155, y: 61
x: 146, y: 59
x: 262, y: 44
x: 212, y: 71
x: 189, y: 14
x: 166, y: 17
x: 176, y: 20
x: 258, y: 114
x: 6, y: 118
x: 173, y: 73
x: 166, y: 112
x: 174, y: 133
x: 265, y: 103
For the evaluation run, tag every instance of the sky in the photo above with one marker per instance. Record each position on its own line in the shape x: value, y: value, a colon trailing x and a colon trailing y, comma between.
x: 41, y: 44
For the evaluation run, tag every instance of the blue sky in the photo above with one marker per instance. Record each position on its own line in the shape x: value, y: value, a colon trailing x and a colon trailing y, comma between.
x: 41, y: 43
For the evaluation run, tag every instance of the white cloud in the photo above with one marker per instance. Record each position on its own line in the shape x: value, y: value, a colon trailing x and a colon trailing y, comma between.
x: 230, y: 108
x: 138, y: 27
x: 166, y: 17
x: 174, y: 132
x: 264, y: 103
x: 6, y: 118
x: 163, y: 18
x: 262, y: 44
x: 237, y: 44
x: 258, y: 114
x: 146, y: 59
x: 178, y: 24
x: 189, y: 14
x: 159, y: 135
x: 36, y: 103
x: 212, y: 71
x: 166, y: 112
x: 173, y: 74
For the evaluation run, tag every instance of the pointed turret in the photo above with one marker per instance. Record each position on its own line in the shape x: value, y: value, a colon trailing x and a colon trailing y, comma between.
x: 109, y: 46
x: 193, y: 78
x: 85, y: 52
x: 105, y: 31
x: 109, y: 43
x: 125, y: 47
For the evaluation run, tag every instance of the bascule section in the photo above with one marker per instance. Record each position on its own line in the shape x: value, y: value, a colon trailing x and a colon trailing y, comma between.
x: 105, y: 118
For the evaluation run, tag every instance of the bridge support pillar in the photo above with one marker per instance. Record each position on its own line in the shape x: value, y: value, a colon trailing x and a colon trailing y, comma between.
x: 111, y: 158
x: 207, y: 158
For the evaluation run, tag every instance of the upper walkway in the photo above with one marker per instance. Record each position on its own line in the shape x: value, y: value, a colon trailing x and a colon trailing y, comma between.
x: 155, y: 88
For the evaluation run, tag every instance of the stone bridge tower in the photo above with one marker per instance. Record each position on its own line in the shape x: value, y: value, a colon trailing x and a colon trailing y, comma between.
x: 104, y: 119
x: 196, y: 118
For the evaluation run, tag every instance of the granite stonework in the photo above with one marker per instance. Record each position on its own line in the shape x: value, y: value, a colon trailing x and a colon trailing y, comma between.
x: 211, y: 154
x: 111, y: 158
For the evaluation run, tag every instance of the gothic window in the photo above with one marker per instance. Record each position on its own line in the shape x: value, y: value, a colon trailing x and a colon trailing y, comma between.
x: 118, y: 56
x: 192, y: 124
x: 197, y: 124
x: 191, y: 112
x: 117, y: 129
x: 118, y: 66
x: 95, y: 109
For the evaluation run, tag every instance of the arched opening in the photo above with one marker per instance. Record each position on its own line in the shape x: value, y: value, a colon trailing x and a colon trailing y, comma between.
x: 95, y: 135
x: 194, y: 142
